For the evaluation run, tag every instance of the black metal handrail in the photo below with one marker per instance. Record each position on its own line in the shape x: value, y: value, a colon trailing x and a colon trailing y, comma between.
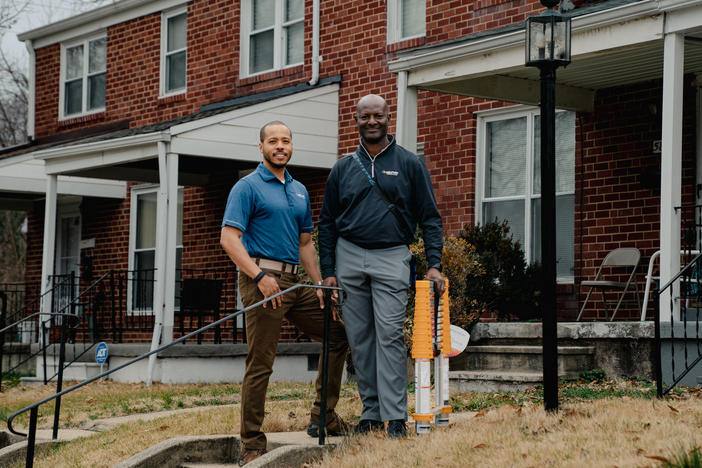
x: 34, y: 408
x: 690, y: 283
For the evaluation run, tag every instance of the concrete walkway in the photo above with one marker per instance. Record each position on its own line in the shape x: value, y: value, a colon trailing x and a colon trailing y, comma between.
x: 210, y: 451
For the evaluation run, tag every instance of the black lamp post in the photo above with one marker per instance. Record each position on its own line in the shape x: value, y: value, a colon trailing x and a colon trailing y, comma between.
x: 548, y: 47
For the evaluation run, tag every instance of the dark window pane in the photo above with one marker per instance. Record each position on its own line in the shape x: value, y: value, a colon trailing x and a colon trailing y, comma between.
x: 512, y: 211
x: 261, y: 52
x: 143, y: 286
x: 96, y: 91
x: 73, y: 97
x: 262, y: 14
x: 175, y: 71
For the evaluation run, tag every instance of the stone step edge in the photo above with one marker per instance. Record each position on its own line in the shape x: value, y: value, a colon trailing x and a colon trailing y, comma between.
x: 497, y: 376
x: 522, y: 349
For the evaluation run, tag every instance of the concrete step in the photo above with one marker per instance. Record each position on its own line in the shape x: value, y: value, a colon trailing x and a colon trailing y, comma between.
x: 492, y: 381
x: 516, y: 358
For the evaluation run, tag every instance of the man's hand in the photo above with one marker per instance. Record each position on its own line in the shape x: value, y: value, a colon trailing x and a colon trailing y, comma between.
x: 320, y: 296
x: 268, y: 287
x: 434, y: 274
x: 331, y: 281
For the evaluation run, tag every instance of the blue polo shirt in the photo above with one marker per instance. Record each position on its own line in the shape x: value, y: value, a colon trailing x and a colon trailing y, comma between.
x: 270, y: 213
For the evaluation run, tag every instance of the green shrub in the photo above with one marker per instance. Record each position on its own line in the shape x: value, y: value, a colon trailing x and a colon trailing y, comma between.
x: 507, y: 287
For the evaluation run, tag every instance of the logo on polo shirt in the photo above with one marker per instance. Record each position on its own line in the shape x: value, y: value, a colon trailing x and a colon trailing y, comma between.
x: 300, y: 195
x: 392, y: 173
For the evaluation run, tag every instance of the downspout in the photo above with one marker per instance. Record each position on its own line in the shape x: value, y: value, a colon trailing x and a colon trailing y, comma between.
x: 31, y: 92
x: 316, y: 58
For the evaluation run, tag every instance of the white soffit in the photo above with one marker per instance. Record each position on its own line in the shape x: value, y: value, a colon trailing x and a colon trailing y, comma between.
x: 606, y: 52
x: 313, y: 117
x: 26, y: 175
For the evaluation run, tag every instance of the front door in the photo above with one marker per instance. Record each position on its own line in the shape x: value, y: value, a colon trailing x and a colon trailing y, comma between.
x: 68, y: 234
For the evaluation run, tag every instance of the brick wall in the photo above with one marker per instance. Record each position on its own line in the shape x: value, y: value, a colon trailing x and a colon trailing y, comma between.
x: 615, y: 207
x: 613, y: 142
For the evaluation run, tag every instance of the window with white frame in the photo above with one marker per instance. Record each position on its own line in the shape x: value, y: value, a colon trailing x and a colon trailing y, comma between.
x: 272, y: 35
x: 83, y: 67
x: 174, y: 58
x: 142, y: 255
x: 406, y: 19
x: 510, y: 180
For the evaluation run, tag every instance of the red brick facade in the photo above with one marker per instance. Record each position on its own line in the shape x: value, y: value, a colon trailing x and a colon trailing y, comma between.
x: 613, y: 206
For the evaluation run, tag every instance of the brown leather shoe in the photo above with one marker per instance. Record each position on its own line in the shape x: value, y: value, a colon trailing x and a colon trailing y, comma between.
x: 335, y: 426
x: 249, y: 455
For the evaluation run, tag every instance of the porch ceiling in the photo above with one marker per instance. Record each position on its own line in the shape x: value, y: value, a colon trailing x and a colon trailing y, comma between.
x: 605, y: 53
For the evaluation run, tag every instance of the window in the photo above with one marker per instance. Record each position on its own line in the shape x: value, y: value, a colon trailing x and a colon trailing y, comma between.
x: 272, y: 35
x: 510, y: 186
x: 406, y: 19
x: 142, y: 258
x: 83, y: 67
x: 174, y: 41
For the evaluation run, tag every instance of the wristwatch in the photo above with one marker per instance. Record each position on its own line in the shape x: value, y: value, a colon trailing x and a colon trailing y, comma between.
x: 319, y: 283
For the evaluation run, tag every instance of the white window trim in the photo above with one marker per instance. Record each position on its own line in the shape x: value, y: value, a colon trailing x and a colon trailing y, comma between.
x: 279, y: 49
x: 135, y: 192
x: 165, y: 16
x: 480, y: 165
x: 394, y: 27
x: 85, y: 41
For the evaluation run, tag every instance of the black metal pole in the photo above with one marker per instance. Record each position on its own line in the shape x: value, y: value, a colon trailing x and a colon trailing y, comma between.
x: 548, y: 235
x: 44, y: 344
x: 3, y: 297
x: 31, y: 437
x: 325, y: 365
x: 59, y: 378
x: 657, y: 347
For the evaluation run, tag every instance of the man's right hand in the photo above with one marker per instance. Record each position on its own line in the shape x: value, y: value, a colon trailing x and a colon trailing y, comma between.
x: 331, y: 281
x: 268, y: 287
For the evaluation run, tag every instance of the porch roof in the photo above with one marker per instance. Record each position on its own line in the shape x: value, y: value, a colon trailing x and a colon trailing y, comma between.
x: 222, y: 132
x: 614, y: 43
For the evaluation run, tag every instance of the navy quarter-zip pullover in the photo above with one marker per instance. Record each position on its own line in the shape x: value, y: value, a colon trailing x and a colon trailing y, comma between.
x: 353, y: 209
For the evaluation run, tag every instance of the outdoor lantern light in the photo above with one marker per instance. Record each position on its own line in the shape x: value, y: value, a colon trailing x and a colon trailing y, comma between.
x: 548, y: 37
x: 548, y: 47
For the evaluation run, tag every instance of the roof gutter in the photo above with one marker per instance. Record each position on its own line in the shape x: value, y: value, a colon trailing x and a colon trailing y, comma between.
x: 105, y: 145
x: 31, y: 92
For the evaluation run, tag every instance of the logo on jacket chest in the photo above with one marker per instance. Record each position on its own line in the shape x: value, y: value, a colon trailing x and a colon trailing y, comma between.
x: 390, y: 173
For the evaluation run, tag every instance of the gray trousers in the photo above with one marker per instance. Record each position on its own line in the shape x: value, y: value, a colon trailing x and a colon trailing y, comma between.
x: 376, y: 282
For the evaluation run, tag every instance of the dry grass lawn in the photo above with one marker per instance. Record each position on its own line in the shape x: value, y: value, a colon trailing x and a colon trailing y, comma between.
x: 600, y: 424
x: 612, y: 432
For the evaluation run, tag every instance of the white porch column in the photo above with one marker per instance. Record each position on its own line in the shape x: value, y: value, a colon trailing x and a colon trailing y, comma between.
x: 406, y: 119
x: 49, y: 247
x: 171, y: 239
x: 160, y: 257
x: 671, y: 166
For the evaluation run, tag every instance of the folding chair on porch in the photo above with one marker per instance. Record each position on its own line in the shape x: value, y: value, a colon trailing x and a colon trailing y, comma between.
x: 621, y: 257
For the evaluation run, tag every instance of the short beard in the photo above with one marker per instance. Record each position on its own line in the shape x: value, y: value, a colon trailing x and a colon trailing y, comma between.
x: 374, y: 141
x: 275, y: 164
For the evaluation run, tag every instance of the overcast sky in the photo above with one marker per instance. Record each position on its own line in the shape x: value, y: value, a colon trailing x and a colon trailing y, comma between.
x: 40, y: 13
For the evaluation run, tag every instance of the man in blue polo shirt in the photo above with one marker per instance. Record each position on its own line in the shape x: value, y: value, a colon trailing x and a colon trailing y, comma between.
x: 267, y: 232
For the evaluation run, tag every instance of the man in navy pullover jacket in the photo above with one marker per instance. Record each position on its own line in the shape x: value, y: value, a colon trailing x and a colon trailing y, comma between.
x: 363, y: 246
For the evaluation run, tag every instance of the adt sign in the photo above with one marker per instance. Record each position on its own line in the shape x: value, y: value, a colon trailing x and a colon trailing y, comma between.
x: 101, y: 353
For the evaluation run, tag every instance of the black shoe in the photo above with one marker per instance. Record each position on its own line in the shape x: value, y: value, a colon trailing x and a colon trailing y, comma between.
x: 365, y: 426
x: 397, y: 429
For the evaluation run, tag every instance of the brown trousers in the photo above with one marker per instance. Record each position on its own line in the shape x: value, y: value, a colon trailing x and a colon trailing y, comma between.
x: 301, y: 307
